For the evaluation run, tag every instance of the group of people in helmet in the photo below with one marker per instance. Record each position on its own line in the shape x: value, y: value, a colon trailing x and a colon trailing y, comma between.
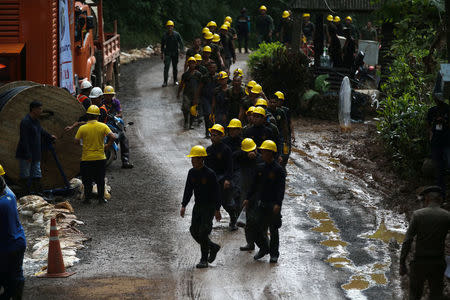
x: 244, y: 167
x: 101, y: 107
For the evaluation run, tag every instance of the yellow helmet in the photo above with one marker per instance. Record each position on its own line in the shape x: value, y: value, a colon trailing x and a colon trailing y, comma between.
x: 170, y: 23
x: 259, y: 110
x: 197, y: 151
x: 235, y: 123
x: 228, y: 19
x: 306, y: 15
x: 348, y: 18
x: 227, y: 23
x: 337, y: 19
x: 2, y: 171
x: 262, y: 7
x: 251, y: 109
x: 248, y: 145
x: 239, y: 72
x: 218, y: 127
x: 286, y: 14
x: 207, y: 49
x: 279, y: 95
x: 109, y: 90
x: 222, y: 75
x: 191, y: 59
x: 216, y: 38
x: 198, y: 57
x: 224, y: 27
x: 261, y: 102
x: 194, y: 111
x: 256, y: 89
x: 269, y: 145
x: 330, y: 18
x: 93, y: 110
x: 211, y: 24
x: 208, y: 36
x: 205, y: 30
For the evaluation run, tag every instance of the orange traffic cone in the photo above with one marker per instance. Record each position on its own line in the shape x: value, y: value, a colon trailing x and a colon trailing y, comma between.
x: 55, y: 268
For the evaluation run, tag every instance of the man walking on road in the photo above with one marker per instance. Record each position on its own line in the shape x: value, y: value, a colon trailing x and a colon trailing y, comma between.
x: 243, y: 30
x: 430, y: 226
x: 93, y: 158
x: 189, y: 84
x: 220, y: 160
x: 264, y: 26
x: 29, y: 149
x: 268, y: 186
x: 171, y: 42
x: 202, y: 182
x: 12, y: 244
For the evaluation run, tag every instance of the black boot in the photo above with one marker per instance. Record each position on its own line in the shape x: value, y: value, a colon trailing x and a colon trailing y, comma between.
x: 19, y: 291
x: 203, y: 260
x: 247, y: 247
x: 213, y: 252
x: 260, y: 254
x: 127, y: 165
x: 24, y: 186
x: 36, y: 187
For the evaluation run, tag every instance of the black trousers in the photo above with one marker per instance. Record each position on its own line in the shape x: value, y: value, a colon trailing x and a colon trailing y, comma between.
x: 431, y: 270
x: 11, y: 274
x: 266, y: 219
x: 201, y: 226
x: 226, y: 198
x: 124, y: 147
x: 93, y: 171
x: 167, y: 60
x: 243, y: 37
x: 440, y: 156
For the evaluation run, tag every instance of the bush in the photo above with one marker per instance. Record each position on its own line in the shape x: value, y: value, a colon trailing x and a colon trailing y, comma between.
x: 277, y: 69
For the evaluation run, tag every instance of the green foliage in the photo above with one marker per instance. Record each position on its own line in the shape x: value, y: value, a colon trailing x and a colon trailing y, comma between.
x: 321, y: 84
x: 141, y: 22
x: 275, y: 69
x: 407, y: 89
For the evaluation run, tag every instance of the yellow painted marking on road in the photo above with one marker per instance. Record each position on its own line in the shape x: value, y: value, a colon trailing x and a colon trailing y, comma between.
x: 356, y: 283
x: 384, y: 234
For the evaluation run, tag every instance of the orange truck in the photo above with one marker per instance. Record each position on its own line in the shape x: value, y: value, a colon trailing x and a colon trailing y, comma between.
x: 57, y: 42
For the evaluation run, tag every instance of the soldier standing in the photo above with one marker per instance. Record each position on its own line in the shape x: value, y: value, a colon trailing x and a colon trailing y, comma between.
x: 430, y: 226
x: 202, y: 182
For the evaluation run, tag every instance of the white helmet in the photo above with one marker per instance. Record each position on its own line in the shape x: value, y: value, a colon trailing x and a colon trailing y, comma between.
x: 96, y: 92
x: 86, y: 84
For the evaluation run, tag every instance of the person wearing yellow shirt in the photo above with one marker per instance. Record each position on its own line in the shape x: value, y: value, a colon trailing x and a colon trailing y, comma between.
x: 93, y: 159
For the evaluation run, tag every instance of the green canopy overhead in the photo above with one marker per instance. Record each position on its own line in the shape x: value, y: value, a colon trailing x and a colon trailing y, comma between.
x: 335, y: 5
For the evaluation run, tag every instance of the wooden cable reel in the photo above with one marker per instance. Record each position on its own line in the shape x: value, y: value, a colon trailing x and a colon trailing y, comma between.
x: 60, y: 110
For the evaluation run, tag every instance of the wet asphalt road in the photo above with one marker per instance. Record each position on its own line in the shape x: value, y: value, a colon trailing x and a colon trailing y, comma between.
x: 141, y: 247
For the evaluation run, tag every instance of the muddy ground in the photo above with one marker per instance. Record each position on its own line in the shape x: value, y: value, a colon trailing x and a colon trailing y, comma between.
x: 340, y: 234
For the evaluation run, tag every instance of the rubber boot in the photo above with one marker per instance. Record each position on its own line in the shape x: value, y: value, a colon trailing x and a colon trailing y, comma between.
x: 36, y: 187
x: 213, y: 249
x: 24, y: 186
x: 19, y: 291
x: 203, y: 260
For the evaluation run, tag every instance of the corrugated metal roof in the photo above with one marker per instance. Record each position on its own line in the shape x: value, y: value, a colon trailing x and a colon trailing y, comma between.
x: 335, y: 5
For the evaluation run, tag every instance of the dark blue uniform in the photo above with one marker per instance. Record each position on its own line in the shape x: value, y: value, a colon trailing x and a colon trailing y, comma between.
x: 12, y: 245
x: 261, y: 133
x: 203, y: 184
x: 268, y: 186
x: 220, y: 160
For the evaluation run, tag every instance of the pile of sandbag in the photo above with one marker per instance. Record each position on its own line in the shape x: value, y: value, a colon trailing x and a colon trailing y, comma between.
x: 135, y: 54
x: 38, y: 213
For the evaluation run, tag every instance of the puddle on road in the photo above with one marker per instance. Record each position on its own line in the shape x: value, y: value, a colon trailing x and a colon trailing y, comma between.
x: 363, y: 277
x: 384, y: 234
x: 357, y: 282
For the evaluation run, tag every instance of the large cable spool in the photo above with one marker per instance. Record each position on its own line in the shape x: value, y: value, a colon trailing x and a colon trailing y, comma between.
x: 60, y: 110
